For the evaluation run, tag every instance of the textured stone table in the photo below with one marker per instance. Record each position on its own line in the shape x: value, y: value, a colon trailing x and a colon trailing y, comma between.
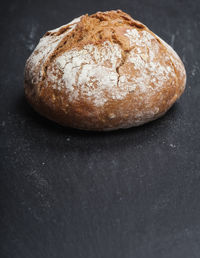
x: 127, y: 194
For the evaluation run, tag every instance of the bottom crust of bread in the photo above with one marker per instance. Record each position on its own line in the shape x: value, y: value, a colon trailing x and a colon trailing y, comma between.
x: 85, y: 122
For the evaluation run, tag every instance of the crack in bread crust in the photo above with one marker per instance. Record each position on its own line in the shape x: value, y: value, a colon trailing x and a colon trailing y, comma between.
x: 81, y: 34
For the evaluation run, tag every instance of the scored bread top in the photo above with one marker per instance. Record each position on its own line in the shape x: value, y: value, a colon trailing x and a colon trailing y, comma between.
x: 104, y: 58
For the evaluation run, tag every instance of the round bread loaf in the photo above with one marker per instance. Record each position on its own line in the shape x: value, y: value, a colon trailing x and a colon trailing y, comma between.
x: 103, y: 72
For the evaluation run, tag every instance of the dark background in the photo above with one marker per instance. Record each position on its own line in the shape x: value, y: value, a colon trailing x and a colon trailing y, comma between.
x: 126, y: 194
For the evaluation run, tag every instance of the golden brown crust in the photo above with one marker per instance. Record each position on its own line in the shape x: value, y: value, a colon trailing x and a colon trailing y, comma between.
x: 144, y: 75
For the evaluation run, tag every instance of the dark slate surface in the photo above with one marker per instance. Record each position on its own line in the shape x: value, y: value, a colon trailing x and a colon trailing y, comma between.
x: 127, y: 194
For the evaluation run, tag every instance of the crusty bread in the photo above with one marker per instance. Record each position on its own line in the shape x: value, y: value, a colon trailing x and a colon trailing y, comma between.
x: 103, y: 72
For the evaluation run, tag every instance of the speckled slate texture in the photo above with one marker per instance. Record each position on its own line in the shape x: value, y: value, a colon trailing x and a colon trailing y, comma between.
x: 127, y: 194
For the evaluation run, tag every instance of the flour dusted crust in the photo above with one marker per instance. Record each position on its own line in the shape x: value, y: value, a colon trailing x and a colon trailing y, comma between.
x: 103, y: 72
